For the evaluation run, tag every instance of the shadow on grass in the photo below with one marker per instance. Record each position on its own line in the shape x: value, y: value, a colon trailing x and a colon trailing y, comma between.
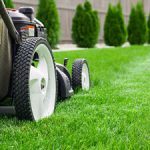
x: 10, y: 121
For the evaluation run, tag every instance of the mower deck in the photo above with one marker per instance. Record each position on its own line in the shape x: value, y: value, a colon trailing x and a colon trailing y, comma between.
x: 7, y: 110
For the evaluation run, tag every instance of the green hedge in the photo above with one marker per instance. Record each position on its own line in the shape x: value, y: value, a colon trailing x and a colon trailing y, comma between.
x: 137, y: 27
x: 114, y: 28
x: 9, y: 3
x: 86, y: 26
x: 148, y: 25
x: 48, y: 15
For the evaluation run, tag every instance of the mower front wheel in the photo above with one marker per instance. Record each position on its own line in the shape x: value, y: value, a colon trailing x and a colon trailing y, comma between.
x: 80, y: 75
x: 34, y: 80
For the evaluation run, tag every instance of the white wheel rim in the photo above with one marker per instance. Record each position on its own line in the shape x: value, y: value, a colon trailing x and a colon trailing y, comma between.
x: 42, y: 84
x: 85, y: 77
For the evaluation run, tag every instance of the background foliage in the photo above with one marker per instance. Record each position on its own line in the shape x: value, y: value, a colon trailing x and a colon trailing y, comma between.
x: 9, y: 3
x: 114, y: 29
x: 148, y: 25
x: 137, y: 27
x: 48, y: 15
x: 86, y: 26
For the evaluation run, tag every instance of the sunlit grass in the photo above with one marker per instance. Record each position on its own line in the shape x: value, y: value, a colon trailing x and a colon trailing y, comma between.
x: 114, y: 114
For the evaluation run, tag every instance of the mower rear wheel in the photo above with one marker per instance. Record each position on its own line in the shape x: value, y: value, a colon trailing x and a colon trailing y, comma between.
x: 34, y: 80
x: 80, y: 75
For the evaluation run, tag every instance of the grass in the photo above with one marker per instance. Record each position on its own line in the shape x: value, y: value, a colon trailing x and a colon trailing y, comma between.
x: 114, y: 114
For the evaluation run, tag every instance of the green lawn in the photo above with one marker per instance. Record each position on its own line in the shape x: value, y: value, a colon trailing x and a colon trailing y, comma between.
x: 114, y: 114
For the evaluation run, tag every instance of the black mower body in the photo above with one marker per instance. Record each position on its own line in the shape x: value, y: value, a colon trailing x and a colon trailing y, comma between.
x: 16, y: 26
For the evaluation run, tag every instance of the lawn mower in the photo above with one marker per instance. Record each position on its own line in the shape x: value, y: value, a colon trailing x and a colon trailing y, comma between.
x: 30, y: 80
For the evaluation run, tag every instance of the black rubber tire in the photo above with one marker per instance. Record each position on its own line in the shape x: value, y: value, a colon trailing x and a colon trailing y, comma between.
x: 77, y: 73
x: 21, y: 74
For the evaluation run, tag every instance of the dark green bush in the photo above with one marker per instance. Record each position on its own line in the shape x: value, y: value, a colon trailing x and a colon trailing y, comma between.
x: 137, y: 28
x: 114, y: 28
x: 48, y: 15
x: 9, y: 3
x: 148, y: 25
x: 86, y: 26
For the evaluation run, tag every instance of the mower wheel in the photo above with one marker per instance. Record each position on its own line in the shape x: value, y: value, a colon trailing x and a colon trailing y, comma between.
x: 34, y: 80
x: 80, y: 75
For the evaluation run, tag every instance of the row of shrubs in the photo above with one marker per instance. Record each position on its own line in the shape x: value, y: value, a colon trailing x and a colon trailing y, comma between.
x: 85, y: 31
x: 115, y: 31
x: 86, y: 24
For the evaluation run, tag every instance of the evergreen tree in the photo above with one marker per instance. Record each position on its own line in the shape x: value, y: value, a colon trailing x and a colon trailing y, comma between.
x: 9, y: 3
x: 137, y: 27
x: 86, y: 26
x: 114, y: 28
x: 48, y: 14
x: 122, y: 22
x: 148, y: 25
